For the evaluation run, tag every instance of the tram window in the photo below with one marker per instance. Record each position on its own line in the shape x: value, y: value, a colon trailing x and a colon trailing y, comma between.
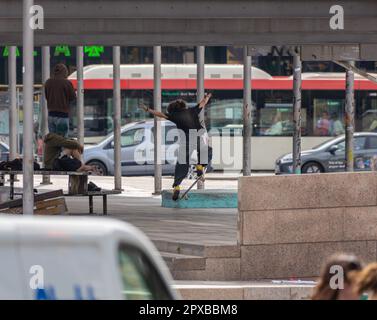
x: 328, y: 117
x: 369, y: 115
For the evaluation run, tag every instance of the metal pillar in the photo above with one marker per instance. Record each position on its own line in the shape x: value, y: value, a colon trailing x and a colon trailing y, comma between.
x: 349, y: 115
x: 13, y: 118
x: 28, y: 94
x: 44, y: 124
x: 247, y: 107
x: 116, y: 119
x: 200, y: 61
x: 80, y: 93
x: 157, y: 122
x: 296, y: 114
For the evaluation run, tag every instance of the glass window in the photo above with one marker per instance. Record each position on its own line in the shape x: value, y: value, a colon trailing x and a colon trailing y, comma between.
x: 368, y: 118
x: 170, y: 135
x: 328, y: 117
x: 358, y: 144
x: 372, y: 143
x: 132, y: 137
x: 141, y: 281
x: 275, y: 114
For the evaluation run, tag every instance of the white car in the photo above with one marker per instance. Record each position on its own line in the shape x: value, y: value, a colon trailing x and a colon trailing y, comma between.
x: 79, y: 258
x: 137, y: 151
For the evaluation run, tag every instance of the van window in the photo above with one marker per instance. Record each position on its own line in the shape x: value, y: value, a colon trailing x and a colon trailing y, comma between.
x: 132, y: 137
x: 171, y: 135
x: 372, y: 143
x: 140, y: 279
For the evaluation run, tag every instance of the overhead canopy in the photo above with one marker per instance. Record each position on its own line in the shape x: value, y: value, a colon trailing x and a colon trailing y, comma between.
x: 192, y: 22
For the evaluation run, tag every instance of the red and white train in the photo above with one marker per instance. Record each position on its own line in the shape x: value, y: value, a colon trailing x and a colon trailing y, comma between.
x: 323, y: 95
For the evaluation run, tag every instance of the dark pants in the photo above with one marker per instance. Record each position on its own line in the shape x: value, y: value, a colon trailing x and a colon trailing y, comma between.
x: 184, y: 159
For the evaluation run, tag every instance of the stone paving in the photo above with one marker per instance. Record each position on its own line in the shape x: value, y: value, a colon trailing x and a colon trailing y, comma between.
x: 138, y: 206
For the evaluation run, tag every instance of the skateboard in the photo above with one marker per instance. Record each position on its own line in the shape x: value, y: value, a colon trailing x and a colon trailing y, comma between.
x: 197, y: 179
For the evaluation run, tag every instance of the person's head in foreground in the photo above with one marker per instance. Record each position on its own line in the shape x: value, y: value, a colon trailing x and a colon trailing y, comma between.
x: 366, y: 281
x: 336, y: 281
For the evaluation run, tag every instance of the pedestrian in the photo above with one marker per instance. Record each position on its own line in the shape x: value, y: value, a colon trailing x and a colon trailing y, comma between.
x: 338, y: 265
x: 188, y: 122
x: 59, y: 94
x: 323, y: 124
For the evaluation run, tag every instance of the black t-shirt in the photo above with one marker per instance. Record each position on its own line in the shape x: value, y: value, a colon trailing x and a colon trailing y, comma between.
x: 186, y: 119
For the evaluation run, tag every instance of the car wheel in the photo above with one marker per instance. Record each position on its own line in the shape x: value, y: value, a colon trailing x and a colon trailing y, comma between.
x: 100, y: 167
x: 312, y: 167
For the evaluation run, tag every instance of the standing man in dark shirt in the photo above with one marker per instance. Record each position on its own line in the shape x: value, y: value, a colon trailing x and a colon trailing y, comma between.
x: 59, y: 94
x: 187, y: 121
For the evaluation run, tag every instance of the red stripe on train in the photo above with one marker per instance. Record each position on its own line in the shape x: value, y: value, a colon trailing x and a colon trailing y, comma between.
x: 226, y: 84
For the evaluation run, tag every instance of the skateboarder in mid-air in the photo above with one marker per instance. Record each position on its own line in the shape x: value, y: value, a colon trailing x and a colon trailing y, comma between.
x: 188, y: 122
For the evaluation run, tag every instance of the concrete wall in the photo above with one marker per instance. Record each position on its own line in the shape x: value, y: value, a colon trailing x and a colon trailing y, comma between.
x: 288, y: 225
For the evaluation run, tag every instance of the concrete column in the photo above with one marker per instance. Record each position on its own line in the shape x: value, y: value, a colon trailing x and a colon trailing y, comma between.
x: 80, y: 93
x: 28, y: 95
x: 350, y: 119
x: 157, y: 122
x: 200, y: 62
x: 247, y: 107
x: 13, y: 117
x: 117, y: 119
x: 44, y: 125
x: 296, y: 114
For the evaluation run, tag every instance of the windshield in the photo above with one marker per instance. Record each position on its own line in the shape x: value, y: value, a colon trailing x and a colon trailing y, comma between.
x: 140, y: 279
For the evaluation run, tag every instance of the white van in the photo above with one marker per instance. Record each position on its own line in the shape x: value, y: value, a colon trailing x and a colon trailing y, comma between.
x: 79, y: 258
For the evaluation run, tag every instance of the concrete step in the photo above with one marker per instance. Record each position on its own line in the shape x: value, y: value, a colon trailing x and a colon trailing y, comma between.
x: 180, y: 248
x: 183, y: 262
x: 209, y: 198
x: 188, y: 261
x: 242, y: 290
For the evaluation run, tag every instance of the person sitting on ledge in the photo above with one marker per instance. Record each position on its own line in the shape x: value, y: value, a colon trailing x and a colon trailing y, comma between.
x: 54, y: 144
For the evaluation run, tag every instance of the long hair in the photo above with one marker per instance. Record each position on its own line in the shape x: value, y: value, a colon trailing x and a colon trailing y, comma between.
x: 349, y: 263
x: 366, y: 280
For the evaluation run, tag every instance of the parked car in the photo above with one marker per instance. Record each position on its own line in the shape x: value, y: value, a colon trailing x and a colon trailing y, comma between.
x: 4, y: 152
x: 78, y: 258
x: 330, y: 155
x: 137, y: 150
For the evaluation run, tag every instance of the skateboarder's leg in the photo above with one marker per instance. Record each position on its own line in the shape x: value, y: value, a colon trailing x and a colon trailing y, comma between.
x: 204, y: 152
x: 181, y: 169
x: 180, y: 174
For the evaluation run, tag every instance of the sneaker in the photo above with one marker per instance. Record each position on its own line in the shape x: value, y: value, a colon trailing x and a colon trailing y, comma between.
x: 199, y: 170
x: 176, y: 192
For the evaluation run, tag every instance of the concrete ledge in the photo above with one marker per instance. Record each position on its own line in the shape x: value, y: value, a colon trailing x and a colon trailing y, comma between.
x: 229, y: 290
x: 210, y: 198
x: 288, y: 225
x: 308, y: 191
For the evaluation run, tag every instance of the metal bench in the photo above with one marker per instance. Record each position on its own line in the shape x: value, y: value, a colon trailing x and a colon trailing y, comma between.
x: 77, y: 186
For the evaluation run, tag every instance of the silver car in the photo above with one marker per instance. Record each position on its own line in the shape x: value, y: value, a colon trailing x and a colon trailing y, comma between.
x: 330, y: 156
x: 137, y: 150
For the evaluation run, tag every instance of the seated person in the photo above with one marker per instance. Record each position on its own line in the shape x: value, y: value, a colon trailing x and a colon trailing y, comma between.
x: 54, y: 143
x: 71, y: 160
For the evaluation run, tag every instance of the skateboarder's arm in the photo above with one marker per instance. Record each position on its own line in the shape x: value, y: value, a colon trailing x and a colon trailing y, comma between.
x: 154, y: 112
x: 205, y: 100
